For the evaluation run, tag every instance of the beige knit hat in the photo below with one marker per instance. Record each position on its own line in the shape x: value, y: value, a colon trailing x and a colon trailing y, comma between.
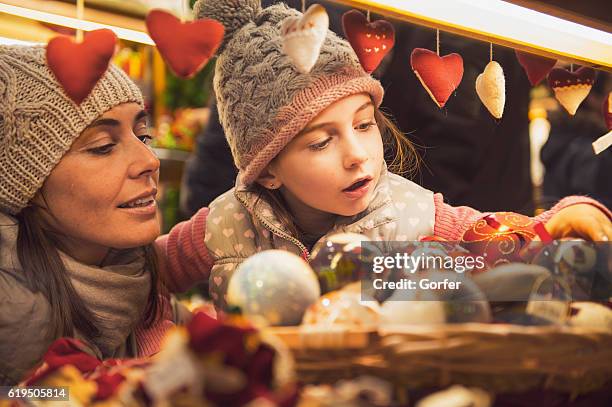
x: 263, y: 100
x: 39, y: 122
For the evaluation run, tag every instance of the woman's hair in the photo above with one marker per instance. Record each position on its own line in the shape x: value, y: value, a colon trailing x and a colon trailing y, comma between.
x: 400, y: 154
x: 44, y: 272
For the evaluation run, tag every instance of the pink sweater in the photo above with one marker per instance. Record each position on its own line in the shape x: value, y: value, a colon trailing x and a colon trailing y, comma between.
x: 184, y: 259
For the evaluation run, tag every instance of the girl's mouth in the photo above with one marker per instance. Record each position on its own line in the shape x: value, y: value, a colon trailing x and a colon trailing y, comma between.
x: 358, y: 188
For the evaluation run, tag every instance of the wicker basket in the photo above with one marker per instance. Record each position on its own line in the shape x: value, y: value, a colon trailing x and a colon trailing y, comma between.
x: 498, y: 358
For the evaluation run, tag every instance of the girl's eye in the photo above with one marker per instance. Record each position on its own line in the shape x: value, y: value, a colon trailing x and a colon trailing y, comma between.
x: 366, y: 126
x: 321, y: 145
x: 102, y: 150
x: 146, y: 139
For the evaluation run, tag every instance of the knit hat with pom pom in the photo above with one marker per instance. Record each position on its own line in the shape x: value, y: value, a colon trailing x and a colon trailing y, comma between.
x: 263, y: 100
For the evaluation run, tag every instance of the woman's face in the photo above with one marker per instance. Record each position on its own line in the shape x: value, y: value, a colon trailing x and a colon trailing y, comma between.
x: 102, y: 193
x: 334, y: 164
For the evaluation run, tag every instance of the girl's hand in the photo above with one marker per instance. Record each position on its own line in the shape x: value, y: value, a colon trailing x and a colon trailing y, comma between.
x: 581, y: 220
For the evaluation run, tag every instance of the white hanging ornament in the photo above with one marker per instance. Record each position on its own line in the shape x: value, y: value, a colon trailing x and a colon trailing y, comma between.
x: 303, y: 37
x: 491, y: 89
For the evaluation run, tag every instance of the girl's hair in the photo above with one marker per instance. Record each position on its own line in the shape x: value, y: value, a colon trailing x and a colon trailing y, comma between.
x: 400, y: 155
x: 44, y: 272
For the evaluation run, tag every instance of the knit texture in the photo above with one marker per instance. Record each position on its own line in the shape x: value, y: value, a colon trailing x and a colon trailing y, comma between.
x: 263, y: 100
x: 39, y: 122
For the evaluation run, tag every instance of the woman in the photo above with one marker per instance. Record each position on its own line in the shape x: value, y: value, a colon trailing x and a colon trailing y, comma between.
x: 77, y: 217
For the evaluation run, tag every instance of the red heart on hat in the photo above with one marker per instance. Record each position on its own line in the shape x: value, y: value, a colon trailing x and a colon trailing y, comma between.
x: 535, y: 66
x: 185, y: 46
x: 79, y: 66
x: 439, y: 75
x: 571, y: 88
x: 607, y: 110
x: 371, y: 41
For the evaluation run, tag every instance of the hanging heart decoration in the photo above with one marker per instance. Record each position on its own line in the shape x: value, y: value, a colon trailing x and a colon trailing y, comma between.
x: 79, y: 66
x: 303, y: 37
x: 185, y: 46
x: 371, y: 41
x: 571, y: 88
x: 491, y: 89
x: 440, y: 76
x: 535, y: 66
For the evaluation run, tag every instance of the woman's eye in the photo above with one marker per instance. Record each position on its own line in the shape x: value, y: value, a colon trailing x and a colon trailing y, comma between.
x: 102, y: 150
x: 146, y: 139
x: 366, y: 126
x: 321, y: 145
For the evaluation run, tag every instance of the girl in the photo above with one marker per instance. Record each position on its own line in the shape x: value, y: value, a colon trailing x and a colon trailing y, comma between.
x: 77, y: 217
x: 310, y: 150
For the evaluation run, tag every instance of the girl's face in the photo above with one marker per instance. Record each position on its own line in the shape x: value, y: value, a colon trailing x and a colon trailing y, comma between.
x: 335, y: 162
x: 102, y: 193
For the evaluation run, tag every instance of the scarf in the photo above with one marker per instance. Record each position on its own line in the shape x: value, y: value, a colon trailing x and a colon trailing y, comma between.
x: 116, y: 292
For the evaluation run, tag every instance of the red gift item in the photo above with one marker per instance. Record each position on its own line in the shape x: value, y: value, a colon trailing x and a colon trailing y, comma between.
x: 185, y: 46
x: 535, y: 66
x: 505, y: 237
x: 79, y: 66
x: 371, y: 41
x: 439, y: 75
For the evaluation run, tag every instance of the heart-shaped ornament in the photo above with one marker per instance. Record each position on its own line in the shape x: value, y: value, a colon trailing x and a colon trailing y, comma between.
x: 440, y: 76
x: 303, y: 37
x: 535, y: 66
x: 491, y: 89
x: 571, y: 88
x: 185, y: 46
x: 371, y: 41
x: 79, y: 66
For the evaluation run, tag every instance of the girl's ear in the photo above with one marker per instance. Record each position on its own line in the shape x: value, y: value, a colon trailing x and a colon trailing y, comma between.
x: 268, y: 179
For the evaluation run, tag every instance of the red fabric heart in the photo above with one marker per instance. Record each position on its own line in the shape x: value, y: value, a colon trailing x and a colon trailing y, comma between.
x: 371, y: 41
x: 79, y: 66
x: 185, y: 46
x: 535, y: 66
x: 607, y: 110
x: 439, y: 75
x: 560, y: 78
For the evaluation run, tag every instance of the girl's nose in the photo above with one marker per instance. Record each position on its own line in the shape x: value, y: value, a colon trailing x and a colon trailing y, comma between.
x: 355, y: 152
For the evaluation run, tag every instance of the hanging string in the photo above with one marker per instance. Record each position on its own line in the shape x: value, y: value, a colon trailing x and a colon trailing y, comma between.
x: 368, y: 16
x: 183, y: 10
x: 303, y: 6
x: 438, y: 42
x: 490, y: 51
x: 80, y: 11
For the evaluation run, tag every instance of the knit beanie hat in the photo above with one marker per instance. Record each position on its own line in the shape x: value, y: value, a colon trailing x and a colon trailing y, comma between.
x: 263, y: 100
x: 39, y: 122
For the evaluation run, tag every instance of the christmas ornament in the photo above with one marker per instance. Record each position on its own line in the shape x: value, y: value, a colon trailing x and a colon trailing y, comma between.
x: 343, y: 308
x: 340, y: 260
x: 440, y: 76
x: 510, y: 281
x: 370, y: 40
x: 505, y: 237
x: 535, y: 66
x: 491, y: 89
x: 303, y: 37
x: 457, y: 396
x: 185, y: 46
x: 590, y: 314
x: 79, y: 66
x: 275, y: 285
x: 412, y: 307
x: 571, y: 88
